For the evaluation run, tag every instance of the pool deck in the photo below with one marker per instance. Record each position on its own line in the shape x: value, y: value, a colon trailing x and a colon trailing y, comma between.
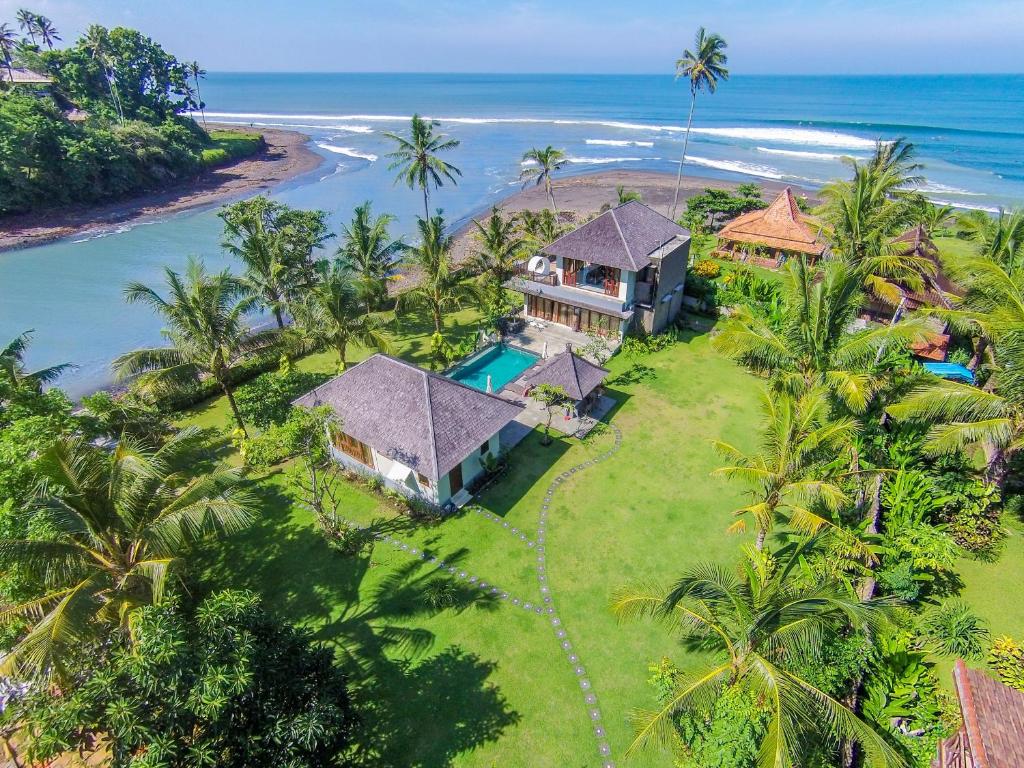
x: 554, y: 336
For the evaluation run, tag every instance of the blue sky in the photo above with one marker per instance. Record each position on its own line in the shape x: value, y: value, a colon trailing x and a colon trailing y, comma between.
x: 765, y: 36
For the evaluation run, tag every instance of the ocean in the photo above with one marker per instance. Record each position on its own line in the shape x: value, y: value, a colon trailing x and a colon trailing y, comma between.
x: 969, y: 131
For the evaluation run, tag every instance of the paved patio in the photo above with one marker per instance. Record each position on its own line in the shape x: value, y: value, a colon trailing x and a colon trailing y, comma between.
x: 534, y: 416
x: 535, y: 337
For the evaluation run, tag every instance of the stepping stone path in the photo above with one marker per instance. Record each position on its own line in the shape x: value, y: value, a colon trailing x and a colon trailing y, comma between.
x: 547, y: 597
x: 546, y: 606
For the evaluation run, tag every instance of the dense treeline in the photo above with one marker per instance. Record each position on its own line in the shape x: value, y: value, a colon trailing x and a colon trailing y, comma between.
x: 110, y: 124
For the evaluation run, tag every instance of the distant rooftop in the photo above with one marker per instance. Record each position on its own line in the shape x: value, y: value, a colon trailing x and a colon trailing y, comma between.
x: 624, y: 237
x: 993, y: 718
x: 782, y: 225
x: 20, y: 76
x: 424, y: 420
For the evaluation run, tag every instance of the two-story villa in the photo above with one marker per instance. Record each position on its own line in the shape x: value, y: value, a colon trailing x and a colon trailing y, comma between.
x: 625, y: 268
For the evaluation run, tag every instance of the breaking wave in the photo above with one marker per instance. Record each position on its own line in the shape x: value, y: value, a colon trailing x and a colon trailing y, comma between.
x: 619, y: 143
x: 735, y: 166
x: 802, y: 155
x: 603, y: 160
x: 347, y: 151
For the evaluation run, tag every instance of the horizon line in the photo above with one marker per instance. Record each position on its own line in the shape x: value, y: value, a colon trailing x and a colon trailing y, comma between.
x: 603, y: 74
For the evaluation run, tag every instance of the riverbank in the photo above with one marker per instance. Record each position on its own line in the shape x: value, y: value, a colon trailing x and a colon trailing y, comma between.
x: 285, y: 157
x: 585, y: 194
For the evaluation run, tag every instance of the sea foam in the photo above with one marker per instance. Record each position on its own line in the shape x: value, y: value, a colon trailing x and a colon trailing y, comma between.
x: 348, y: 151
x: 802, y: 155
x: 603, y: 160
x: 735, y: 166
x: 619, y: 143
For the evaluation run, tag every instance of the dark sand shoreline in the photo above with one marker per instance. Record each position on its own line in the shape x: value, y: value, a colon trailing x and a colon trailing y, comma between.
x: 285, y: 157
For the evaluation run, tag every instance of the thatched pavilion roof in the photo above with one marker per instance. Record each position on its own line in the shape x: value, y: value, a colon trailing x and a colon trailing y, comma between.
x: 782, y: 226
x: 993, y: 717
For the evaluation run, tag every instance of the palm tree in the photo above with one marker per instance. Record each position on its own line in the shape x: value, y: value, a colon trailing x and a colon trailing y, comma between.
x: 417, y: 161
x: 934, y: 217
x: 703, y: 67
x: 626, y: 195
x: 12, y: 365
x: 966, y: 417
x: 27, y: 21
x: 8, y: 43
x: 371, y: 252
x: 47, y: 32
x: 539, y: 229
x: 538, y: 165
x: 332, y: 314
x: 759, y: 624
x: 97, y: 40
x: 196, y: 72
x: 120, y: 524
x: 205, y: 314
x: 440, y: 288
x: 1001, y: 238
x: 866, y: 214
x: 499, y: 246
x: 811, y: 345
x: 788, y: 475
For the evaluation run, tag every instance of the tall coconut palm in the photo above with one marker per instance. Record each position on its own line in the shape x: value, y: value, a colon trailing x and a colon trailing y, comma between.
x: 417, y: 161
x: 812, y: 345
x: 206, y: 327
x: 703, y: 67
x: 119, y: 526
x: 498, y: 247
x: 12, y: 365
x: 196, y: 72
x: 933, y: 217
x: 27, y: 21
x: 759, y: 625
x: 538, y: 165
x: 97, y: 41
x: 787, y: 476
x: 865, y: 215
x: 371, y: 252
x: 440, y: 288
x: 332, y: 314
x: 47, y: 32
x: 539, y: 229
x: 8, y: 43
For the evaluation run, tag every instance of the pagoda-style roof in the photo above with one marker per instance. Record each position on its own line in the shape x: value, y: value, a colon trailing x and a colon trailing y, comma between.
x: 21, y: 76
x: 993, y: 719
x: 578, y: 377
x: 781, y: 226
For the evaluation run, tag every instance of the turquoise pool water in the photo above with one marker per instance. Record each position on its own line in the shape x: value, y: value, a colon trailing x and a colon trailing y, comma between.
x: 501, y: 362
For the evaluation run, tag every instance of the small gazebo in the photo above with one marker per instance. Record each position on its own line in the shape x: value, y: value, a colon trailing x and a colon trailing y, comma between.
x: 580, y: 378
x: 767, y: 237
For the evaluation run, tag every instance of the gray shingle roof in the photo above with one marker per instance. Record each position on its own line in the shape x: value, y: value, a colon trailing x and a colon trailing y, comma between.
x: 21, y: 76
x: 575, y: 375
x: 622, y: 237
x: 422, y: 419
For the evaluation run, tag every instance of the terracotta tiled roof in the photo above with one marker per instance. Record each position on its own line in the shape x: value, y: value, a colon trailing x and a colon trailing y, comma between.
x: 934, y: 347
x: 993, y: 718
x: 781, y: 225
x: 575, y: 375
x: 424, y: 420
x: 623, y: 237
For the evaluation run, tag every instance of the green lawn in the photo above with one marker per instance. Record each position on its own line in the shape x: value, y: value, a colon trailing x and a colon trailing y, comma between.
x: 485, y: 683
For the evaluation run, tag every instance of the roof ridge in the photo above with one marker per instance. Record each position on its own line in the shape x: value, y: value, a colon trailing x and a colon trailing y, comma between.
x: 430, y: 424
x: 575, y: 370
x: 622, y: 237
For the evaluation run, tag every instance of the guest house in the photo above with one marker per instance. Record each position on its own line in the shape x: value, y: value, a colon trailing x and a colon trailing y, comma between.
x: 624, y: 268
x: 421, y: 433
x: 769, y: 236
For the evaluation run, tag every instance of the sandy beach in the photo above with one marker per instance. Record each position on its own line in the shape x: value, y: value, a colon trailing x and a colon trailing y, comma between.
x: 285, y: 157
x: 585, y: 194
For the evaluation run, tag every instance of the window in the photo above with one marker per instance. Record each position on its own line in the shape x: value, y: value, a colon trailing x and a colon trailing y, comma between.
x: 348, y: 445
x: 485, y: 448
x: 423, y: 480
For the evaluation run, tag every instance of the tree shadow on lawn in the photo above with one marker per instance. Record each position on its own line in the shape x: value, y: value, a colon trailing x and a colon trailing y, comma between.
x: 369, y: 619
x: 528, y: 462
x: 424, y: 715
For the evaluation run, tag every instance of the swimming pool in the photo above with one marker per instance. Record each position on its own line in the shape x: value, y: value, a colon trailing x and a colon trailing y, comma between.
x: 500, y: 361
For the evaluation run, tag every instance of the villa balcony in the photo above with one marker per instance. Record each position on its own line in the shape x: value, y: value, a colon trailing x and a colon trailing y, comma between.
x: 523, y: 272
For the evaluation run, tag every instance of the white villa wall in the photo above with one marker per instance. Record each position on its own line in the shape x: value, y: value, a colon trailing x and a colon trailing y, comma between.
x: 439, y: 495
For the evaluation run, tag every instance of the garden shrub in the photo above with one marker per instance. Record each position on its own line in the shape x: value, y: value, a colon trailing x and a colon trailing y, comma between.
x: 1006, y: 659
x: 707, y: 268
x: 267, y: 399
x: 955, y: 630
x: 214, y: 157
x: 282, y: 441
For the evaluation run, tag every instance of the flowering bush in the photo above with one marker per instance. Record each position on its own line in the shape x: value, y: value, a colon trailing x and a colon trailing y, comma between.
x: 1006, y: 659
x: 707, y: 268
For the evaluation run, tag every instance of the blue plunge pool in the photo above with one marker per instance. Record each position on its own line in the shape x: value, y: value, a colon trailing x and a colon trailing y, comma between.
x: 500, y: 361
